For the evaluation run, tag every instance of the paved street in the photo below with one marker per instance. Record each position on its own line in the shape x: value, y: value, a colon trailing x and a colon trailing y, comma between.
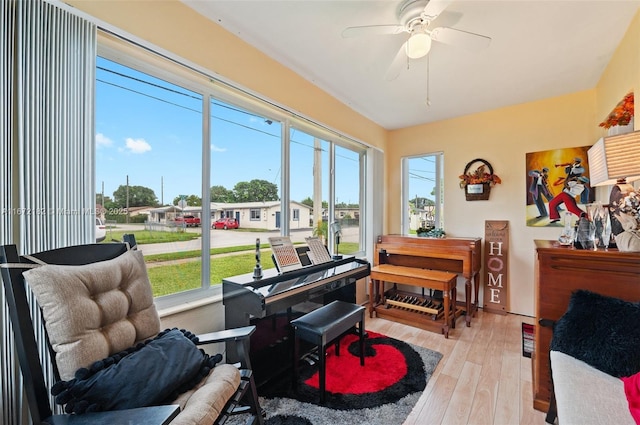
x: 224, y: 238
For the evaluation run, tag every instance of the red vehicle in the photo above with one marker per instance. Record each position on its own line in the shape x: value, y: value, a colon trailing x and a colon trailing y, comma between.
x: 225, y: 223
x: 188, y: 220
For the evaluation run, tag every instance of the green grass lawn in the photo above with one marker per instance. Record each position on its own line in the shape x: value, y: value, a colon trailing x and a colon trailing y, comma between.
x: 171, y: 278
x: 184, y: 276
x: 149, y: 236
x: 169, y: 256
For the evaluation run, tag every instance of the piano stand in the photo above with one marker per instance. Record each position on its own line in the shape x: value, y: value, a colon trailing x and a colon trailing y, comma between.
x: 276, y: 299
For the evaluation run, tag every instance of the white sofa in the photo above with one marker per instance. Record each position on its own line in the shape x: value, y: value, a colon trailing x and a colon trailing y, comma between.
x: 594, y: 343
x: 585, y: 395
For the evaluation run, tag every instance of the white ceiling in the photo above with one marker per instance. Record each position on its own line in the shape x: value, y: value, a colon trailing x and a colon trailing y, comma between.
x: 539, y: 49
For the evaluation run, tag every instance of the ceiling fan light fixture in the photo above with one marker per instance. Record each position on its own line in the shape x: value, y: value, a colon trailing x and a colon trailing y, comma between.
x: 418, y: 45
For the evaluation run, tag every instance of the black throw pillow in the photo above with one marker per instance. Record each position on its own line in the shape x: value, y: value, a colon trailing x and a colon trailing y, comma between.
x: 601, y: 331
x: 145, y: 375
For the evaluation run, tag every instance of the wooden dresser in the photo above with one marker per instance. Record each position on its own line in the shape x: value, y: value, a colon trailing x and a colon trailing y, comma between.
x: 561, y: 270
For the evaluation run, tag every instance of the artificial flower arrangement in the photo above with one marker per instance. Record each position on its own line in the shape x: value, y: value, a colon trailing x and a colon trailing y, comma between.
x: 479, y: 176
x: 621, y: 114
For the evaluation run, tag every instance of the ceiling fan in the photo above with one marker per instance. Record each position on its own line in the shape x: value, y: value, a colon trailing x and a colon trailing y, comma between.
x: 414, y: 17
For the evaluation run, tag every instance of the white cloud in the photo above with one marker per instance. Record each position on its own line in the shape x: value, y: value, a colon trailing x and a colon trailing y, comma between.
x: 137, y: 145
x: 103, y: 141
x: 214, y: 148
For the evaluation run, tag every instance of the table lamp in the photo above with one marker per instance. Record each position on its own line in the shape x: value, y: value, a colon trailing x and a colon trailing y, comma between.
x: 615, y: 160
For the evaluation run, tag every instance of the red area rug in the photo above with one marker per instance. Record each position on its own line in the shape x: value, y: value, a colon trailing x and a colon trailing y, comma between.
x: 384, y: 391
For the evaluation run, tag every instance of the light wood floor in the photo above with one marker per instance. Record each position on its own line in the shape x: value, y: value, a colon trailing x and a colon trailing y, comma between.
x: 483, y: 378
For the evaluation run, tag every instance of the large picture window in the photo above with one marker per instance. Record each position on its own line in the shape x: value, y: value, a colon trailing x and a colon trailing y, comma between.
x: 148, y: 169
x: 194, y: 173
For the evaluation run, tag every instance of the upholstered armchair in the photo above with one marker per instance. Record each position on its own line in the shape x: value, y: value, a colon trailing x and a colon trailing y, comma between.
x: 111, y: 361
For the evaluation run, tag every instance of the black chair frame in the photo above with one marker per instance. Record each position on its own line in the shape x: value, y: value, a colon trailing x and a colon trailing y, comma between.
x: 13, y: 265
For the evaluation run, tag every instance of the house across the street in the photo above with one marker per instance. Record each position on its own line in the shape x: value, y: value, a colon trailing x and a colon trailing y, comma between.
x: 252, y: 215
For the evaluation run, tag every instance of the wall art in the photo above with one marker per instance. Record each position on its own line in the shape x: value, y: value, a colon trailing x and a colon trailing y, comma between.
x: 557, y: 186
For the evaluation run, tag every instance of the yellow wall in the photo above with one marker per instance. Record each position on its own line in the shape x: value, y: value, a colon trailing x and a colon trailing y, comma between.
x: 171, y: 25
x: 622, y: 75
x: 502, y: 136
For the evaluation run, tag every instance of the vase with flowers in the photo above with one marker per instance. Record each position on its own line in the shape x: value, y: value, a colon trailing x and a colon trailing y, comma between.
x: 477, y: 183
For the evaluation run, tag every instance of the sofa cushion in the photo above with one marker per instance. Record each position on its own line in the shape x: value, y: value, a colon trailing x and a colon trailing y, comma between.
x: 601, y: 331
x: 93, y: 311
x: 585, y: 395
x: 147, y: 374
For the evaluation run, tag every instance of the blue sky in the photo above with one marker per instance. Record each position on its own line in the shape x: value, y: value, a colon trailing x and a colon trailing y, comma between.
x: 150, y: 131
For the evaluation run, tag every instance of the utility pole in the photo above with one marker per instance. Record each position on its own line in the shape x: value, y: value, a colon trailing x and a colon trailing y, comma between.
x: 127, y: 199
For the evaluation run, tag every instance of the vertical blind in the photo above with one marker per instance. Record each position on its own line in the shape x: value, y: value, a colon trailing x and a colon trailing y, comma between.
x: 55, y: 79
x: 10, y: 388
x: 47, y: 74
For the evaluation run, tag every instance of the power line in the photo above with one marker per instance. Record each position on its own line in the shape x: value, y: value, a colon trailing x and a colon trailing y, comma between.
x: 199, y: 98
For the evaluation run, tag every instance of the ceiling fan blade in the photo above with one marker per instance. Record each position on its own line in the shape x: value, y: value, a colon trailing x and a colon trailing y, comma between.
x: 434, y: 8
x: 372, y: 30
x: 465, y: 39
x: 398, y: 62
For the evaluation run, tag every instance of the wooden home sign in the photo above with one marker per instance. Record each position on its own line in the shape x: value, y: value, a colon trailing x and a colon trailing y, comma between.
x: 496, y: 260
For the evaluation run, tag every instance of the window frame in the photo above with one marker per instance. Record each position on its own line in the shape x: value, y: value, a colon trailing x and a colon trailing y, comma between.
x: 438, y: 189
x: 149, y: 59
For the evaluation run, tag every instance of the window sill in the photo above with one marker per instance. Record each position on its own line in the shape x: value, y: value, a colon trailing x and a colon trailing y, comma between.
x: 179, y: 303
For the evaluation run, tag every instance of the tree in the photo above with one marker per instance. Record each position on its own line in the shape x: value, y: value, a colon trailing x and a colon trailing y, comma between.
x: 309, y: 202
x: 192, y: 200
x: 255, y: 190
x: 107, y: 203
x: 221, y: 194
x: 139, y: 196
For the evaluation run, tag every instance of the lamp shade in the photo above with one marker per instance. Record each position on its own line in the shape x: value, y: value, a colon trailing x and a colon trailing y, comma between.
x: 418, y: 45
x: 614, y: 158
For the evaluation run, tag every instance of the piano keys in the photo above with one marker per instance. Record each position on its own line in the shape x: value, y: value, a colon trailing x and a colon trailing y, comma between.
x: 273, y: 301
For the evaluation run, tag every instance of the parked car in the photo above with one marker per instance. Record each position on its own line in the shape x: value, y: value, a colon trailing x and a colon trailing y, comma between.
x: 225, y: 223
x: 101, y: 230
x: 188, y: 220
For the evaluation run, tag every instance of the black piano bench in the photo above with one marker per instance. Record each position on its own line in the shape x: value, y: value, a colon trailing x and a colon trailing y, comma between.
x: 324, y: 326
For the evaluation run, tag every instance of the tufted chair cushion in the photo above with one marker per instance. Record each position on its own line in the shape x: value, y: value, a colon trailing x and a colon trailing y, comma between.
x: 95, y: 310
x: 204, y: 403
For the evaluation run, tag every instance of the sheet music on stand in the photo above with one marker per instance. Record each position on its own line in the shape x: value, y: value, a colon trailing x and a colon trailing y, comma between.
x: 284, y: 254
x: 317, y: 251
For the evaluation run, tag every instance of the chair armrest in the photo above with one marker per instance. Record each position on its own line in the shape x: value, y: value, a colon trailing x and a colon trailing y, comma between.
x: 236, y: 334
x: 152, y: 415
